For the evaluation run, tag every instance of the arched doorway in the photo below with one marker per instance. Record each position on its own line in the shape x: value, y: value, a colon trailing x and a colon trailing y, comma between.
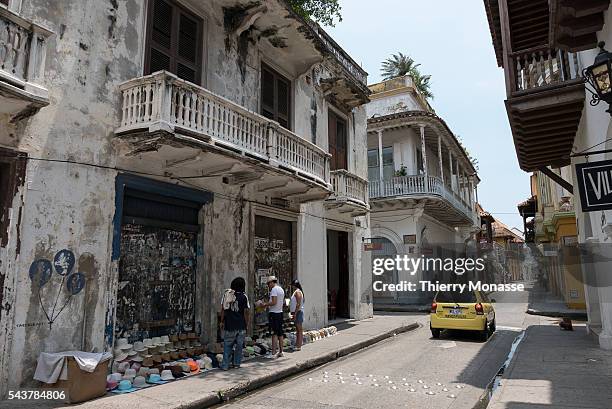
x: 386, y: 249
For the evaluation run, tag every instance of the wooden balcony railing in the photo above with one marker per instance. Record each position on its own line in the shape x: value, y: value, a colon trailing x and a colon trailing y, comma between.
x: 163, y: 101
x: 542, y: 66
x: 345, y: 185
x: 417, y: 185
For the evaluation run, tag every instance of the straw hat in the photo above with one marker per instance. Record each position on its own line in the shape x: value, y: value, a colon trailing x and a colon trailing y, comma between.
x: 166, y: 375
x: 140, y: 382
x: 139, y: 346
x: 119, y: 354
x: 271, y: 278
x: 123, y: 366
x: 156, y: 341
x: 115, y: 376
x: 174, y: 338
x: 165, y: 339
x: 122, y: 343
x: 156, y: 379
x: 143, y: 371
x: 147, y: 361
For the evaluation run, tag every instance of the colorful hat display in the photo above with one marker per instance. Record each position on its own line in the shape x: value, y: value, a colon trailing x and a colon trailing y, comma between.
x: 147, y: 360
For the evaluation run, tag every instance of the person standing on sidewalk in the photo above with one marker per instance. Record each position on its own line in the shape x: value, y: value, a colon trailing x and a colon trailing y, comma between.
x: 275, y: 315
x: 296, y: 307
x: 234, y: 322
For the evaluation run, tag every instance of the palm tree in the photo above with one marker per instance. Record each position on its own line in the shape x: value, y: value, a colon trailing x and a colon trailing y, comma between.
x: 399, y: 65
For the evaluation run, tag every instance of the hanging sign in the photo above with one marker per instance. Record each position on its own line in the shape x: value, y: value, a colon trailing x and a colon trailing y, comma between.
x: 595, y: 185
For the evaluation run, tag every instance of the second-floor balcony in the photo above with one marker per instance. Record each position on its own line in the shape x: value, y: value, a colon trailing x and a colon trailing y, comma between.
x: 545, y: 100
x: 350, y: 193
x: 22, y: 63
x: 438, y: 201
x: 204, y: 132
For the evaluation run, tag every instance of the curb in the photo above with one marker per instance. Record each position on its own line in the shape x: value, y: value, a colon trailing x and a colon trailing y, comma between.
x: 300, y: 366
x: 559, y: 314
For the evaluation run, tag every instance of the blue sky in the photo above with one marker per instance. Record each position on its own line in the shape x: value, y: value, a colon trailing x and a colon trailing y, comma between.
x: 451, y: 41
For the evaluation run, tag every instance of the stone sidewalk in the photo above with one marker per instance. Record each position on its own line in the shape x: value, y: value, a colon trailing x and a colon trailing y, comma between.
x: 208, y: 389
x: 556, y: 369
x: 546, y: 304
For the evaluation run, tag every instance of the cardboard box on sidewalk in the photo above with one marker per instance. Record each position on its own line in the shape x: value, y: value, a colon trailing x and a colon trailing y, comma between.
x: 82, y: 386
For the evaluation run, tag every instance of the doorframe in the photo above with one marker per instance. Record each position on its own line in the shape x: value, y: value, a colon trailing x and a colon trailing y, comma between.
x: 124, y: 181
x: 353, y: 298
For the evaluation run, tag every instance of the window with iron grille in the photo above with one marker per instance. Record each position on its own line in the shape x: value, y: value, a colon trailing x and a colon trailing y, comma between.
x: 275, y: 96
x: 174, y: 41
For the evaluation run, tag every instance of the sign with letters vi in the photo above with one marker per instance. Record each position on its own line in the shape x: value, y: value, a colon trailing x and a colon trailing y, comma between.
x: 595, y: 185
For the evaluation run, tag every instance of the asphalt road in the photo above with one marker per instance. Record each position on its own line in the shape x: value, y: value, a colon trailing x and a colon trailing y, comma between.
x: 411, y: 370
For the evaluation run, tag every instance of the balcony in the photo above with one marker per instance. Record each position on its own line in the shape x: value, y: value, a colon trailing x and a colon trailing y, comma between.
x: 412, y: 191
x: 545, y: 101
x: 206, y: 133
x: 22, y: 64
x: 350, y: 194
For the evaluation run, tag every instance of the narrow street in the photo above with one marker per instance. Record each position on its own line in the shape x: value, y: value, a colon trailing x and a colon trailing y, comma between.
x: 456, y: 362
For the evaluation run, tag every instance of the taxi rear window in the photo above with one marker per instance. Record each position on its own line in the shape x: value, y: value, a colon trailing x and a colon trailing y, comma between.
x: 456, y: 296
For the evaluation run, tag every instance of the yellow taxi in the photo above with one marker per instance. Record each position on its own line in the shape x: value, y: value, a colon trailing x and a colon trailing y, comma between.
x: 469, y: 310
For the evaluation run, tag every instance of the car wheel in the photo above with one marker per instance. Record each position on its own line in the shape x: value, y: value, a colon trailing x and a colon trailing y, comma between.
x: 435, y: 332
x: 484, y: 334
x: 492, y: 326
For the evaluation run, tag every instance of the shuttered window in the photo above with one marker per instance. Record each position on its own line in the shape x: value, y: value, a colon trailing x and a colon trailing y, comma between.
x: 275, y: 96
x: 337, y: 141
x: 174, y: 41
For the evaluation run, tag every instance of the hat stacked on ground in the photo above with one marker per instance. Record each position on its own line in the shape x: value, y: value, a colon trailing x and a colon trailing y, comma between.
x: 121, y: 349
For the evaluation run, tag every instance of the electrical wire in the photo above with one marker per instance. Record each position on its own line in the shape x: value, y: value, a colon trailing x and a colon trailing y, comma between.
x: 169, y: 176
x: 594, y: 146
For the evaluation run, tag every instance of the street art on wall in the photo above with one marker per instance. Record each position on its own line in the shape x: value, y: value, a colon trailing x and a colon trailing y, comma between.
x: 43, y: 280
x: 156, y: 281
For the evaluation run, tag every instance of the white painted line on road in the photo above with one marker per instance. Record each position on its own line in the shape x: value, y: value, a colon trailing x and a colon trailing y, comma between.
x: 508, y: 328
x: 446, y: 345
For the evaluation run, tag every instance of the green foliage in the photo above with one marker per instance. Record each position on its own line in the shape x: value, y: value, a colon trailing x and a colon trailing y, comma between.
x: 323, y: 11
x: 399, y: 65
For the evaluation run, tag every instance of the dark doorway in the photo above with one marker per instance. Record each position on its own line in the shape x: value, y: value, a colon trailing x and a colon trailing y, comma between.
x: 337, y: 274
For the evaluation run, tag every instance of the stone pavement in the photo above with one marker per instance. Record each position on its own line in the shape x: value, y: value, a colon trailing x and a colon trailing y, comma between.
x: 556, y: 369
x: 215, y: 386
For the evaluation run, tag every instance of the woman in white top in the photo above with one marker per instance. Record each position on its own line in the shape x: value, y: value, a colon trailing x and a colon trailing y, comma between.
x: 296, y: 306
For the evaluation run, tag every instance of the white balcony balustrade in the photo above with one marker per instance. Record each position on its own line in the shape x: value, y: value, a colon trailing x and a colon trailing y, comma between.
x: 406, y: 186
x: 164, y: 102
x: 349, y: 190
x: 22, y: 63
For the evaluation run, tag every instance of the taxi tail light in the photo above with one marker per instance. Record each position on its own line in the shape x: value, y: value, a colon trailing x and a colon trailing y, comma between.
x: 434, y: 307
x: 479, y: 309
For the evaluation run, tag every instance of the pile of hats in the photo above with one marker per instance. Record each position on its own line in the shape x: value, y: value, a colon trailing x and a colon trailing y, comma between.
x: 127, y: 379
x: 153, y: 351
x: 315, y: 335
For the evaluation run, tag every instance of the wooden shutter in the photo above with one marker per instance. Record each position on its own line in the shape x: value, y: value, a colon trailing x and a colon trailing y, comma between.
x: 337, y: 136
x: 275, y: 96
x: 174, y: 41
x: 331, y: 132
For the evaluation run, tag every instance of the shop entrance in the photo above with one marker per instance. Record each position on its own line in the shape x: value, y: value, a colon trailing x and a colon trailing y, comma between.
x: 337, y: 274
x: 157, y: 266
x: 273, y: 256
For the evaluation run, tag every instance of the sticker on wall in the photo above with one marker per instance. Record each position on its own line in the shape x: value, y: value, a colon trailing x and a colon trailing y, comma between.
x: 41, y: 274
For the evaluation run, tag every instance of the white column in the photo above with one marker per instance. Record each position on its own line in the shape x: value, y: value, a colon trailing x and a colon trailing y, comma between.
x: 440, y: 159
x: 380, y: 156
x: 450, y: 169
x: 424, y: 156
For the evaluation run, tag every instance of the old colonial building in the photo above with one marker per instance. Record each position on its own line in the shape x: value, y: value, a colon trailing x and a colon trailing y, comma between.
x: 422, y: 183
x: 543, y: 47
x: 153, y: 150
